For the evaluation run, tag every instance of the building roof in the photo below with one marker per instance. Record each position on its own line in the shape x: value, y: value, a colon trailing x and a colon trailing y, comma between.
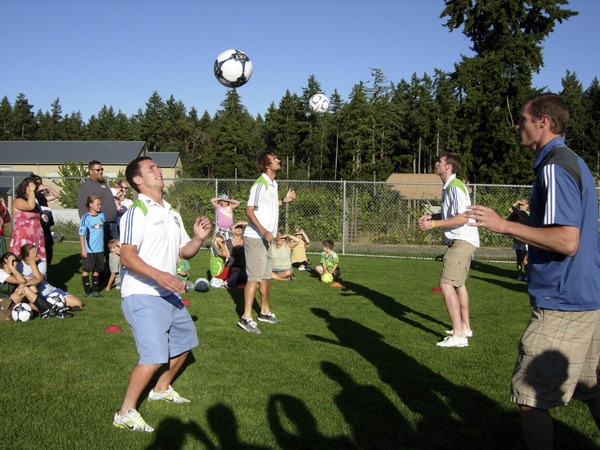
x: 423, y: 186
x: 58, y: 152
x: 165, y: 159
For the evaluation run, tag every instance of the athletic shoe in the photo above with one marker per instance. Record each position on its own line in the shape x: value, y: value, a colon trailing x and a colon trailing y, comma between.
x: 453, y: 341
x: 75, y: 308
x: 248, y: 325
x: 63, y: 314
x: 170, y: 395
x: 132, y: 420
x: 270, y: 318
x: 468, y: 333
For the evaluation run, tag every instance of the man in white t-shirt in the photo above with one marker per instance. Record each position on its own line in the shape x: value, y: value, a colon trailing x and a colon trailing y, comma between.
x: 462, y: 241
x: 152, y: 237
x: 263, y: 217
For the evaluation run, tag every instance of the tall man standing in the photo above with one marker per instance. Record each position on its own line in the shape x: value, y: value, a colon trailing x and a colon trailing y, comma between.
x: 263, y: 217
x: 152, y: 237
x: 462, y: 241
x: 95, y: 184
x: 560, y: 349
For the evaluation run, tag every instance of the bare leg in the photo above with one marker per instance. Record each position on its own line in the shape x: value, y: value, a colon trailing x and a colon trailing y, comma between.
x: 453, y: 307
x: 249, y: 293
x: 138, y: 380
x: 538, y: 427
x: 265, y: 294
x: 463, y: 300
x: 167, y: 376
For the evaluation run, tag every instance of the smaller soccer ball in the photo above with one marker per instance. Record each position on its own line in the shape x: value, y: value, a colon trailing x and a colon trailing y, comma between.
x: 56, y: 299
x: 326, y: 277
x: 233, y: 68
x: 318, y: 103
x: 21, y: 312
x: 201, y: 285
x: 216, y: 282
x: 189, y: 286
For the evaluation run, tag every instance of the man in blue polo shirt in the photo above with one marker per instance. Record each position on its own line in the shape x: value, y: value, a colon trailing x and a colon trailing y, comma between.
x: 560, y: 349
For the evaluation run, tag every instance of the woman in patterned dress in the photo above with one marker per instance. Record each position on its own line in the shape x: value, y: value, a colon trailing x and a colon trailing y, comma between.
x: 27, y: 228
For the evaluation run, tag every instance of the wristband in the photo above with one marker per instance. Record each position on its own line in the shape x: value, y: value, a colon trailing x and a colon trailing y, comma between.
x: 432, y: 223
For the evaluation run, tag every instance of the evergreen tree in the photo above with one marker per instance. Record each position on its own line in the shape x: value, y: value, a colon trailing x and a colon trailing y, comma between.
x: 23, y: 127
x: 6, y: 119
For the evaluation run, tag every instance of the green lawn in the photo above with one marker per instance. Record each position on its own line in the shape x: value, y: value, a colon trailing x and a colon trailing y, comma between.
x: 350, y: 367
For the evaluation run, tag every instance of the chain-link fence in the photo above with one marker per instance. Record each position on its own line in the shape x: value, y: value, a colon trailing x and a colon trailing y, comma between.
x: 362, y: 218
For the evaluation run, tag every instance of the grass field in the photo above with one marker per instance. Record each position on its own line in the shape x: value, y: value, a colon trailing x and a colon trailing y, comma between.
x: 350, y: 367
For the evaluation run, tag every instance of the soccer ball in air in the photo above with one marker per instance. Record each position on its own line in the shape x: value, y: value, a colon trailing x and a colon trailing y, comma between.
x: 56, y: 299
x: 233, y: 68
x: 318, y: 103
x: 201, y: 285
x: 326, y: 277
x: 21, y: 312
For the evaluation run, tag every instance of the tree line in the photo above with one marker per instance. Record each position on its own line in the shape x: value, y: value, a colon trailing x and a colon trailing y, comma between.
x: 382, y: 127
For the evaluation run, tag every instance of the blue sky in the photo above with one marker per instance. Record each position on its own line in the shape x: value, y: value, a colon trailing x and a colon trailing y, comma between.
x: 117, y: 52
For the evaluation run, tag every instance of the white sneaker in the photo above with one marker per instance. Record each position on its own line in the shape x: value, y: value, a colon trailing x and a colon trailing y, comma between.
x: 468, y: 333
x: 132, y: 420
x: 453, y: 341
x: 170, y: 395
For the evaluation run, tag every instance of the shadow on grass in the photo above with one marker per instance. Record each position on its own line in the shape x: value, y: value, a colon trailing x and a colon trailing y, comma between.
x: 61, y: 272
x: 391, y: 306
x: 507, y: 277
x: 305, y: 432
x: 237, y: 295
x: 451, y: 416
x: 172, y: 434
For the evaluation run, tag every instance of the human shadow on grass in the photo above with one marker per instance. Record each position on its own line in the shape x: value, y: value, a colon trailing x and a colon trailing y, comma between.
x: 451, y: 416
x: 61, y: 272
x: 223, y: 424
x: 391, y: 306
x: 374, y: 419
x: 172, y: 433
x: 237, y: 295
x: 294, y: 426
x: 506, y: 277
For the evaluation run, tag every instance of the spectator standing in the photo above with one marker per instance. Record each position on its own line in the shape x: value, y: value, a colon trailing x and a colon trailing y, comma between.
x: 263, y: 217
x: 27, y: 226
x: 43, y: 195
x: 224, y: 207
x: 518, y: 213
x: 4, y: 219
x: 559, y: 351
x: 462, y: 241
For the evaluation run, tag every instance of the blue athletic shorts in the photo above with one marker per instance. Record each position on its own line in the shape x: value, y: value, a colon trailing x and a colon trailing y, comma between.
x: 161, y: 326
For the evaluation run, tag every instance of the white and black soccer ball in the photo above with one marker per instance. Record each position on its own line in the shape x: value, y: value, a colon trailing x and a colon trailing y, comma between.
x: 201, y: 285
x: 233, y: 68
x: 216, y: 282
x: 57, y: 299
x: 189, y: 286
x: 21, y: 312
x: 318, y: 104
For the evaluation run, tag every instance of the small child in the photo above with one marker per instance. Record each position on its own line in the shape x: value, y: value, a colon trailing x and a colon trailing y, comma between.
x: 114, y: 264
x: 219, y: 254
x: 91, y: 238
x: 224, y: 207
x: 183, y: 269
x: 299, y: 259
x: 282, y: 256
x: 329, y: 260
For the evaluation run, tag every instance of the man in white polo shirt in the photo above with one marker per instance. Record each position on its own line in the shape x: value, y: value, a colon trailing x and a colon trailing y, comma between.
x: 462, y: 241
x: 152, y: 237
x: 263, y: 218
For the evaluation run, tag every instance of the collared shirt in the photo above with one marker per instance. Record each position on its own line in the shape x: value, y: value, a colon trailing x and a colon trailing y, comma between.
x: 265, y: 199
x: 455, y: 199
x: 158, y: 233
x: 564, y: 193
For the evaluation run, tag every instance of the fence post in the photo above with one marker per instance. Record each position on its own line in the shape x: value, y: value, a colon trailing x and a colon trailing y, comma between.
x: 474, y: 194
x: 344, y: 214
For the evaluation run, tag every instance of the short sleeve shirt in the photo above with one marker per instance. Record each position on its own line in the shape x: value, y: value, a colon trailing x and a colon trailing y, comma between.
x: 92, y: 229
x: 455, y: 199
x: 158, y: 233
x: 330, y: 260
x: 265, y: 199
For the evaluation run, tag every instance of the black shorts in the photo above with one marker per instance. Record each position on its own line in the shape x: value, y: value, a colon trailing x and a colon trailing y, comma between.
x: 94, y: 262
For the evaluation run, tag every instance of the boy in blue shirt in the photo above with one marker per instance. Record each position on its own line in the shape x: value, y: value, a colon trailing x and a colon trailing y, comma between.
x: 91, y: 238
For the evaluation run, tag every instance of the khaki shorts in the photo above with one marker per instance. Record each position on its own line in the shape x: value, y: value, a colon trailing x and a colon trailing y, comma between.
x: 558, y: 359
x: 457, y: 262
x: 259, y: 259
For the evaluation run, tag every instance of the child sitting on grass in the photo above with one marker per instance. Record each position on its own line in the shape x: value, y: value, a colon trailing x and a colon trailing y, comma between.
x: 299, y: 259
x: 282, y: 257
x: 219, y: 254
x: 329, y: 260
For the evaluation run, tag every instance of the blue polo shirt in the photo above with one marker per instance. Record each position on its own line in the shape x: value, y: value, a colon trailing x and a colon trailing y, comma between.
x: 564, y: 193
